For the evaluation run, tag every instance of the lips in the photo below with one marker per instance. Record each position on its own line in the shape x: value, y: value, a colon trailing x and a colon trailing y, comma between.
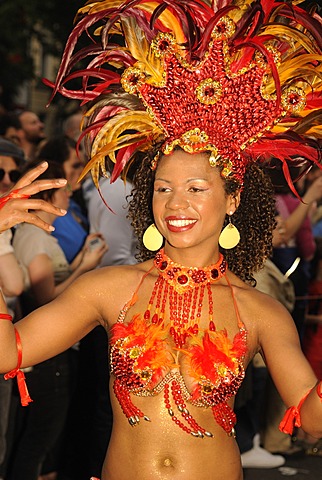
x: 180, y: 224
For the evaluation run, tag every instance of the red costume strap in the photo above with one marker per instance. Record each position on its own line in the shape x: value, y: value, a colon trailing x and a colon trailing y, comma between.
x: 16, y: 372
x: 292, y: 417
x: 12, y: 194
x: 319, y: 390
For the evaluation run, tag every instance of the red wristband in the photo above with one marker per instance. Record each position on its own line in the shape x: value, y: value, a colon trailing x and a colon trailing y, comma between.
x: 16, y: 372
x: 319, y: 390
x: 12, y: 194
x: 292, y: 417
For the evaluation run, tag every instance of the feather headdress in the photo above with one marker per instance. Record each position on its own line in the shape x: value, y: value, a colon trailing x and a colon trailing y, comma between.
x: 239, y: 78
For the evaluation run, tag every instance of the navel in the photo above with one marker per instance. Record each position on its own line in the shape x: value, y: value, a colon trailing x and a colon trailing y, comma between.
x: 167, y: 462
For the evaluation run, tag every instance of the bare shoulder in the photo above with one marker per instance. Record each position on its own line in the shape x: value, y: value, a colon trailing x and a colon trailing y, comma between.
x: 260, y: 312
x: 110, y: 288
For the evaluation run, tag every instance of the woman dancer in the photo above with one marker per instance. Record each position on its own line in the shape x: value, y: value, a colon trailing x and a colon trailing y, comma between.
x: 205, y: 92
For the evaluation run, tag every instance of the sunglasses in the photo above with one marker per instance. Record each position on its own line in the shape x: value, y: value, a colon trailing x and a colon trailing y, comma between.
x: 14, y: 175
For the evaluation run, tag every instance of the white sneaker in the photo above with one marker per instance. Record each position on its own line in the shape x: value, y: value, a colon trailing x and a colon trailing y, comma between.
x: 258, y: 457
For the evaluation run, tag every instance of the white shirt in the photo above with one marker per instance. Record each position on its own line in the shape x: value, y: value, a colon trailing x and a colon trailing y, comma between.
x: 115, y: 227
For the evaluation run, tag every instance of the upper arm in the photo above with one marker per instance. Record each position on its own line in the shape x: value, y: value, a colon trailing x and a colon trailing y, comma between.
x: 280, y: 346
x: 56, y: 326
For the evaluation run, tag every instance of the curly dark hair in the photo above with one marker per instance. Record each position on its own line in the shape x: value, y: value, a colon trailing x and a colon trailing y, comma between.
x: 254, y: 218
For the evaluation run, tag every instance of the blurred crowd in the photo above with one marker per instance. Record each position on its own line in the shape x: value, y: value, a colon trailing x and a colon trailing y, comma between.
x: 64, y: 433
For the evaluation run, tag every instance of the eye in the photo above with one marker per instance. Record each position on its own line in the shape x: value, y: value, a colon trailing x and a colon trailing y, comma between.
x: 161, y: 189
x: 196, y: 189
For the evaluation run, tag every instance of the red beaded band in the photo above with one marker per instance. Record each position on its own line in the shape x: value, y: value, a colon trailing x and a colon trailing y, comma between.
x: 16, y: 372
x: 12, y: 194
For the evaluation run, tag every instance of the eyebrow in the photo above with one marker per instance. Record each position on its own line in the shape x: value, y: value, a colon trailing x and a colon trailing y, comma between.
x: 188, y: 181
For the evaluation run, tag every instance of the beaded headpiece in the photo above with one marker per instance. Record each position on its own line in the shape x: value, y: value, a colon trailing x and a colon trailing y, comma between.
x: 240, y: 79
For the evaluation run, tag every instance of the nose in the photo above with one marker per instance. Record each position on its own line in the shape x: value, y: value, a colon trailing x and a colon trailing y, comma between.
x: 6, y: 180
x: 177, y: 200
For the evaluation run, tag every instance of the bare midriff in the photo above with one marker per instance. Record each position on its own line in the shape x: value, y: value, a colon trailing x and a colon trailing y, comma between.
x: 158, y: 450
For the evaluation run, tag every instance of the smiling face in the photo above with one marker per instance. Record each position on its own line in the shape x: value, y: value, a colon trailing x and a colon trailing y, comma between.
x: 189, y: 201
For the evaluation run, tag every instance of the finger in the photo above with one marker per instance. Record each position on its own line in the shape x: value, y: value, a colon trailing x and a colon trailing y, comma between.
x: 31, y: 175
x: 29, y: 186
x: 20, y: 205
x: 40, y: 185
x: 38, y: 222
x: 31, y: 217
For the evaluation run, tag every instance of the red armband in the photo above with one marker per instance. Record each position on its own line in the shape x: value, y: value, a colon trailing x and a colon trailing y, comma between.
x: 318, y: 390
x: 292, y: 417
x: 12, y: 194
x: 16, y: 372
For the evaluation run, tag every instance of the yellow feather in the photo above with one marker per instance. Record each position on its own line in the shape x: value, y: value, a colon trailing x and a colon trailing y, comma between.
x: 97, y: 160
x: 167, y: 19
x: 95, y: 7
x: 140, y: 50
x: 123, y: 121
x: 288, y: 34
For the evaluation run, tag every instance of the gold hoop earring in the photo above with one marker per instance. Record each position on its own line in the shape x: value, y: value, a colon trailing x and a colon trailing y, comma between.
x: 229, y: 236
x: 152, y: 238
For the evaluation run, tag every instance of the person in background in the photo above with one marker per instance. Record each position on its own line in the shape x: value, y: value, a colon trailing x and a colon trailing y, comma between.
x: 292, y: 238
x: 71, y: 230
x: 72, y: 129
x: 312, y: 341
x: 72, y: 125
x: 11, y: 284
x: 92, y: 422
x: 72, y: 234
x: 9, y: 127
x: 112, y: 222
x: 49, y: 274
x: 17, y: 207
x: 31, y: 133
x: 294, y: 254
x: 11, y: 276
x: 251, y: 398
x: 11, y: 159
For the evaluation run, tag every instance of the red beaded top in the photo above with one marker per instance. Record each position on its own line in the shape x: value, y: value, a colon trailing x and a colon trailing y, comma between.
x: 145, y: 362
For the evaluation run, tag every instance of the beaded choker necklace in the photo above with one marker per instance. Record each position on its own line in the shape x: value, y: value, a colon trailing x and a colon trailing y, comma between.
x: 185, y: 288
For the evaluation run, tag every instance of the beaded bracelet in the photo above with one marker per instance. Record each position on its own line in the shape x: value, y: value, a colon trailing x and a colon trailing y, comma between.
x: 16, y: 372
x: 12, y: 194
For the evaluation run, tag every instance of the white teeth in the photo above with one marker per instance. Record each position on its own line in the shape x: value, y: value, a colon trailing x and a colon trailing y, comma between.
x: 181, y: 223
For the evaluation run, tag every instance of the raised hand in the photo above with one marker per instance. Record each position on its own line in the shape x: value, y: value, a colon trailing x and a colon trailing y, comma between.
x: 15, y: 205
